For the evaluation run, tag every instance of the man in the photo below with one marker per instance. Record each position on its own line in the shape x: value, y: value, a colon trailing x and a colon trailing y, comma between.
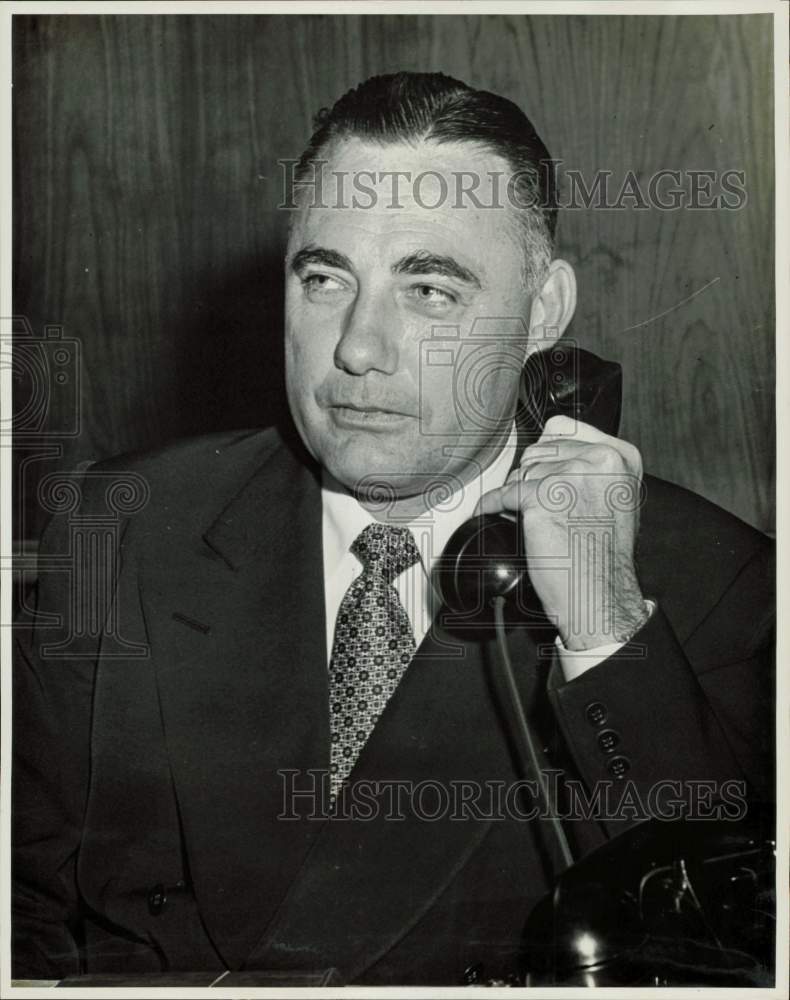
x: 273, y: 619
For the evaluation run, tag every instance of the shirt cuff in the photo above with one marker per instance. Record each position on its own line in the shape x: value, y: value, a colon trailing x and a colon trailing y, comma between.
x: 575, y: 662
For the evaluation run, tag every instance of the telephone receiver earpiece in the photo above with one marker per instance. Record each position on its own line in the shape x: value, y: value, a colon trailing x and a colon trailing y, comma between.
x: 485, y: 558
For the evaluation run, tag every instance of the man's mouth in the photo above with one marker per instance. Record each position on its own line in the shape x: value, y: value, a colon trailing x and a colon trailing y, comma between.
x: 353, y: 414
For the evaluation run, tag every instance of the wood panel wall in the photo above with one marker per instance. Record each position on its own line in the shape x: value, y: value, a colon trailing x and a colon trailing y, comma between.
x: 145, y: 223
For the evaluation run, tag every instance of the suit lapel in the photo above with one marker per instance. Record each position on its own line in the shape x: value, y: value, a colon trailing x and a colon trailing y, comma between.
x: 238, y: 641
x: 369, y: 879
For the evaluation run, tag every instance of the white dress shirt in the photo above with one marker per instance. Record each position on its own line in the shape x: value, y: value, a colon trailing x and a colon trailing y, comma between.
x: 344, y: 518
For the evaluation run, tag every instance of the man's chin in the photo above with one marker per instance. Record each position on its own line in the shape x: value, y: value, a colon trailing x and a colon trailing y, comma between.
x: 375, y: 478
x: 373, y: 468
x: 376, y: 485
x: 370, y: 483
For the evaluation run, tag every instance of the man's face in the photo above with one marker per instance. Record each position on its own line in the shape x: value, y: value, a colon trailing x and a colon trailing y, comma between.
x: 380, y: 394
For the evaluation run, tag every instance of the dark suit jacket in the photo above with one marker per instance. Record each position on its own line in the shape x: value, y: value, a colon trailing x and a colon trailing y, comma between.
x: 146, y: 782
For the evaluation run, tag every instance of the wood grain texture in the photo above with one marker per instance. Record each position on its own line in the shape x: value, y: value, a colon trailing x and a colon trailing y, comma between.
x: 146, y: 185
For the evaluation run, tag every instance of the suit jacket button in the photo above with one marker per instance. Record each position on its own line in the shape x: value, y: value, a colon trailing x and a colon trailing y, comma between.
x: 157, y: 898
x: 618, y: 766
x: 596, y: 713
x: 608, y: 740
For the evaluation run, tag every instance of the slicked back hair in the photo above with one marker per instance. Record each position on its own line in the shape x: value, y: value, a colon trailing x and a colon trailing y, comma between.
x: 413, y: 107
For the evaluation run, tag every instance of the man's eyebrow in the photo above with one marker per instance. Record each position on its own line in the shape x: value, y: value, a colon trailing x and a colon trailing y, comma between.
x: 320, y: 255
x: 425, y: 262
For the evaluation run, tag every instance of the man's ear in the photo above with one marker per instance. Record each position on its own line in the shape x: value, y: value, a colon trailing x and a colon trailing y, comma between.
x: 553, y: 306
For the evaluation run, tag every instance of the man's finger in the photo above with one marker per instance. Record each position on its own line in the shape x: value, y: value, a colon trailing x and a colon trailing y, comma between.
x: 559, y: 449
x: 568, y: 438
x: 569, y: 427
x: 505, y: 498
x: 519, y: 491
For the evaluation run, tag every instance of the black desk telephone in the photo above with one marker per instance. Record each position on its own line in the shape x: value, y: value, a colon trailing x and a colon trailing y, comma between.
x: 485, y: 557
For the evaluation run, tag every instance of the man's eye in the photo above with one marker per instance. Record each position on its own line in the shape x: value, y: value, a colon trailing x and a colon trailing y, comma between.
x: 433, y: 296
x: 321, y: 284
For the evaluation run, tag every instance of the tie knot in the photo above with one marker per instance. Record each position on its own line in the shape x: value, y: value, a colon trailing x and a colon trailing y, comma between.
x: 385, y: 550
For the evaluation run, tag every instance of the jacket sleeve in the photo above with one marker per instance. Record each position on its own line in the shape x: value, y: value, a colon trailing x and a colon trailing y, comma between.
x: 50, y: 770
x: 664, y: 720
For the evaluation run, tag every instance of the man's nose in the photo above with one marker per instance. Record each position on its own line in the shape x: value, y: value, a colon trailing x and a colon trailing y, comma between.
x: 371, y: 336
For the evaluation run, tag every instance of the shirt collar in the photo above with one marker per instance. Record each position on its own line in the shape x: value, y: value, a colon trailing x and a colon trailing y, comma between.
x: 344, y: 517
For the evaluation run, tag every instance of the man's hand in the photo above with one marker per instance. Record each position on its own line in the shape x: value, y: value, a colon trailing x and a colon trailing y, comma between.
x: 578, y: 492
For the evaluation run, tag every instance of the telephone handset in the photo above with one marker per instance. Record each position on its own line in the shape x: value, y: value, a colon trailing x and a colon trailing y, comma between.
x: 485, y: 557
x: 687, y: 897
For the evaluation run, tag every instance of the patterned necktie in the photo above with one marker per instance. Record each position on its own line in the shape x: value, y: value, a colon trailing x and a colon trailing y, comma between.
x: 373, y: 645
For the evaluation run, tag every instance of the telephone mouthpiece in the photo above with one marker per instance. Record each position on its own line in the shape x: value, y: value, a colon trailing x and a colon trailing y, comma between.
x: 483, y: 559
